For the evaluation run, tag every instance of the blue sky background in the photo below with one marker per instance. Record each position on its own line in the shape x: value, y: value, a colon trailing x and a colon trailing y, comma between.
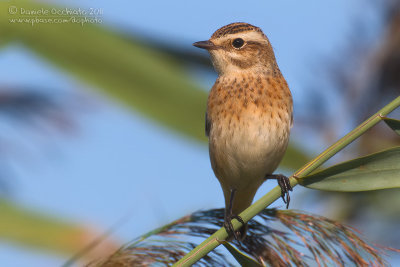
x: 119, y: 163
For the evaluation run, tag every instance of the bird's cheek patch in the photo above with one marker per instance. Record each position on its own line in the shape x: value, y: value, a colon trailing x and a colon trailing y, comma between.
x: 219, y: 61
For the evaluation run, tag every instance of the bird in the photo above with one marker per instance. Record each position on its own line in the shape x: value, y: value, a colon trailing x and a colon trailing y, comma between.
x: 248, y: 118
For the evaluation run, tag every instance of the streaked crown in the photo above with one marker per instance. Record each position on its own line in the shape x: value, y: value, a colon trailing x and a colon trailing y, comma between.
x: 233, y: 28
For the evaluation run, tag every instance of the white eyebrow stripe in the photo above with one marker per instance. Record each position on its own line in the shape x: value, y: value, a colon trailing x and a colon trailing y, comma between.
x: 247, y: 36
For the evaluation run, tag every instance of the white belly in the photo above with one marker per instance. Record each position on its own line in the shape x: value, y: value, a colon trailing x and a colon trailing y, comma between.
x: 242, y: 156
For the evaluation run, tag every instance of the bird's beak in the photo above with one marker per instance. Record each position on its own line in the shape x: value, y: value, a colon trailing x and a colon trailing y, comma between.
x: 205, y: 45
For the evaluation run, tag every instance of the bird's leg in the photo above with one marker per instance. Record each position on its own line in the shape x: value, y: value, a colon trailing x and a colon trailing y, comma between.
x: 229, y: 216
x: 284, y: 184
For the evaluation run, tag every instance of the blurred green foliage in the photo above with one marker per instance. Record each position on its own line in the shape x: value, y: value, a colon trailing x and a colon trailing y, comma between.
x: 32, y: 229
x: 144, y: 79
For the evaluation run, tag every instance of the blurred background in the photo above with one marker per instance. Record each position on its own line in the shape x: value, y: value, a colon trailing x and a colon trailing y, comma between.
x: 102, y: 114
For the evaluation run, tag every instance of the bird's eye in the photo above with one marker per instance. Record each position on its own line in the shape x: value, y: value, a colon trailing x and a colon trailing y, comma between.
x: 238, y: 43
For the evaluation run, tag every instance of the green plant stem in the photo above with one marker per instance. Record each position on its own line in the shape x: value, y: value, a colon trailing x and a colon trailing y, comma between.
x: 215, y: 240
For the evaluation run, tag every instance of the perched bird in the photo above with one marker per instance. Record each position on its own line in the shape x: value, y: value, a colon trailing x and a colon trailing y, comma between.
x: 248, y: 118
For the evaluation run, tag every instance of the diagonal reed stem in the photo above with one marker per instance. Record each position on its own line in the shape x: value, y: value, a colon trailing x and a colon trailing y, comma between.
x: 215, y: 240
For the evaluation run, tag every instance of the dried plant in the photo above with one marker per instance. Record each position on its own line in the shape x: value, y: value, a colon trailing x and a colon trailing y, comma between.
x: 166, y: 245
x: 275, y: 238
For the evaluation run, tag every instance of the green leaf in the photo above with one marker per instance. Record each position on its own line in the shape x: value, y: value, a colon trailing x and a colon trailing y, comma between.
x: 394, y: 124
x: 375, y: 171
x: 242, y: 259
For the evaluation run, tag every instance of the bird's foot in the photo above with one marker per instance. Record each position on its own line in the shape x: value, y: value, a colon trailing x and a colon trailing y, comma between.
x: 237, y: 234
x: 285, y: 186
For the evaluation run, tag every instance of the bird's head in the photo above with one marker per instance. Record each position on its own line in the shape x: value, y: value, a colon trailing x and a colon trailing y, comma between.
x: 238, y: 47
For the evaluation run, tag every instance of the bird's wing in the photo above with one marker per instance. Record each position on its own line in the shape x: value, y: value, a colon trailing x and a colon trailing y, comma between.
x: 208, y: 125
x: 291, y: 120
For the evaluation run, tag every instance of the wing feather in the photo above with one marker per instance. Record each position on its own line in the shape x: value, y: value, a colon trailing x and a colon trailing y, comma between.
x: 208, y: 126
